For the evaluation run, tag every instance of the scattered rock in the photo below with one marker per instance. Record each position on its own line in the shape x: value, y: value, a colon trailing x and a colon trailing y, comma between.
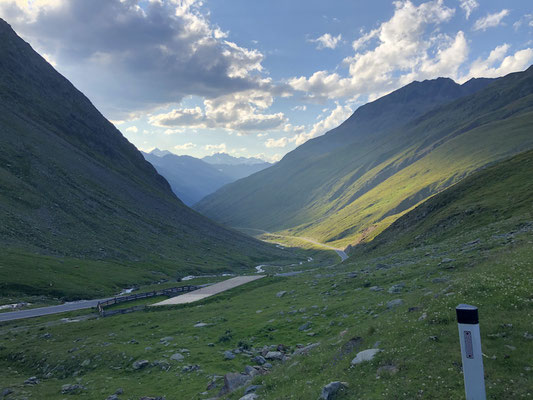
x: 259, y: 360
x: 274, y: 355
x: 375, y: 289
x: 306, y: 349
x: 46, y: 335
x: 167, y: 339
x: 162, y: 364
x: 396, y: 288
x: 528, y: 336
x: 140, y: 364
x: 249, y: 396
x: 394, y: 303
x: 440, y: 280
x: 248, y: 370
x: 365, y: 355
x: 252, y: 388
x: 447, y: 260
x: 233, y: 381
x: 151, y: 398
x: 330, y: 391
x: 6, y: 392
x: 281, y: 294
x: 72, y: 388
x: 267, y: 365
x: 119, y: 391
x: 177, y: 357
x: 305, y: 326
x: 387, y: 370
x: 31, y: 381
x: 200, y: 325
x: 434, y: 338
x: 423, y: 316
x: 112, y: 397
x: 228, y: 355
x: 190, y: 368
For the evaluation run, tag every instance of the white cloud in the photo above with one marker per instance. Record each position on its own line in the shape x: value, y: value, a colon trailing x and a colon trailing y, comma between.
x: 498, y: 63
x: 216, y: 148
x: 299, y: 108
x: 240, y: 112
x: 132, y: 129
x: 281, y: 142
x: 337, y: 116
x: 406, y: 45
x: 468, y: 6
x: 186, y: 146
x: 327, y: 41
x: 130, y: 58
x: 490, y: 21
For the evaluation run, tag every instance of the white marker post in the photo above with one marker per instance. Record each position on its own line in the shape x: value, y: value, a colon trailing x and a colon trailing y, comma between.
x: 470, y: 339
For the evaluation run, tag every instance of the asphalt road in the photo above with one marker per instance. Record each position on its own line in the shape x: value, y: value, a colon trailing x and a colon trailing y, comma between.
x: 39, y: 312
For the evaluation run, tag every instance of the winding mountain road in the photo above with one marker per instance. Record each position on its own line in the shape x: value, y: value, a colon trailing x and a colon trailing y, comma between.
x: 340, y: 252
x: 41, y: 311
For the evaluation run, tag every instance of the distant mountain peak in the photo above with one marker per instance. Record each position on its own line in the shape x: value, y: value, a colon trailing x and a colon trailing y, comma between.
x: 224, y: 158
x: 160, y: 153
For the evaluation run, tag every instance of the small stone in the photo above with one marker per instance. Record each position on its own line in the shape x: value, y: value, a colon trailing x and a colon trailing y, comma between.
x: 330, y: 391
x: 200, y: 325
x: 267, y: 365
x: 447, y: 260
x: 85, y: 363
x: 119, y: 391
x: 252, y: 388
x: 423, y: 316
x: 249, y: 396
x: 394, y: 303
x: 211, y: 344
x: 274, y: 355
x: 387, y: 370
x: 249, y: 370
x: 112, y: 397
x: 72, y: 388
x: 305, y: 326
x: 396, y: 288
x: 166, y: 339
x: 259, y: 360
x: 365, y: 355
x: 177, y: 357
x: 233, y: 381
x: 140, y: 364
x: 228, y: 355
x: 528, y: 336
x: 6, y: 392
x: 281, y: 294
x: 31, y: 381
x: 306, y: 349
x: 434, y: 338
x: 375, y: 289
x: 191, y: 368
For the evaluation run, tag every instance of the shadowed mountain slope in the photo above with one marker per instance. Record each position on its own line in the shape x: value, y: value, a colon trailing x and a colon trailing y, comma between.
x: 72, y: 185
x: 348, y: 185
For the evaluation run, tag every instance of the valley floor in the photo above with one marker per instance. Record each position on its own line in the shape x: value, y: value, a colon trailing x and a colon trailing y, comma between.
x: 401, y: 303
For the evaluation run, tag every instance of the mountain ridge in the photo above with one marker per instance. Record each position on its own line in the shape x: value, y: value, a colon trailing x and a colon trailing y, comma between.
x: 322, y: 188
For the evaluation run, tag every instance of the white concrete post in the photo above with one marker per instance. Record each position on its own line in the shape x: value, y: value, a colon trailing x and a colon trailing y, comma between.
x: 470, y: 339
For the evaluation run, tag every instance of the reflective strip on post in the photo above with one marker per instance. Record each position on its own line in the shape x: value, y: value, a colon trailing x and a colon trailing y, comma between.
x: 470, y: 339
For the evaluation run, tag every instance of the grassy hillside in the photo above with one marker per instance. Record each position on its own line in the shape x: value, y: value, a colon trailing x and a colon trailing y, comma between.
x: 348, y: 185
x: 469, y: 244
x: 71, y: 186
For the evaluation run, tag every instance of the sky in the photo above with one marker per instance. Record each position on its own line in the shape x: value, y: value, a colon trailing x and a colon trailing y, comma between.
x: 259, y: 78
